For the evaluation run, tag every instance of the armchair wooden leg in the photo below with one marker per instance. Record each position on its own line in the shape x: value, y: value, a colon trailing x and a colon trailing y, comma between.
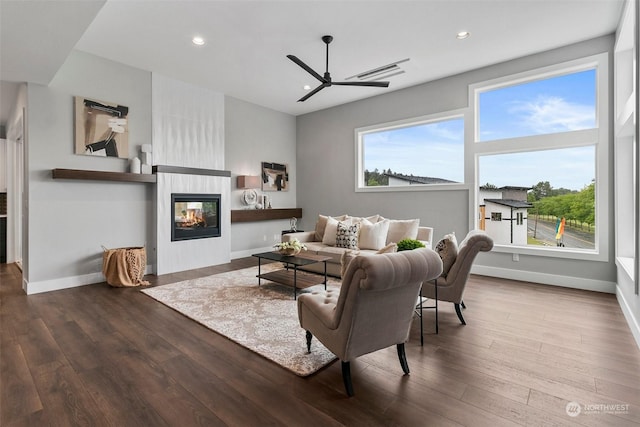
x: 421, y: 325
x: 459, y: 313
x: 435, y: 285
x: 403, y: 359
x: 346, y: 378
x: 462, y: 304
x: 309, y: 336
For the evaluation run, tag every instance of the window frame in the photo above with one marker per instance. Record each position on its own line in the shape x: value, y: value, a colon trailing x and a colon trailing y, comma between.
x: 414, y: 121
x: 599, y: 137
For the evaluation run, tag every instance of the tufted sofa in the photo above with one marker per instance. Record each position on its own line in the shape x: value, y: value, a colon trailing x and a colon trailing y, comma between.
x: 333, y: 236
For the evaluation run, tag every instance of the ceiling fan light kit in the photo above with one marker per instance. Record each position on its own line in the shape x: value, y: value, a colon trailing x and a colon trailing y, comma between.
x: 325, y: 80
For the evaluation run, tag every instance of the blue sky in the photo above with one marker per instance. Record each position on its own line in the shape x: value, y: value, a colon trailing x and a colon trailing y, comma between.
x: 558, y: 104
x: 432, y: 149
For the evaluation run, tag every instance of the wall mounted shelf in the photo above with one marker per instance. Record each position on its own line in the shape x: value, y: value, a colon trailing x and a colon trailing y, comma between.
x: 102, y: 176
x: 248, y: 215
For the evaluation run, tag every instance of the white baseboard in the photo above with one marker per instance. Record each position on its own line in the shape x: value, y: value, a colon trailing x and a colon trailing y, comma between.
x: 249, y: 252
x: 546, y: 279
x: 628, y: 315
x: 31, y: 288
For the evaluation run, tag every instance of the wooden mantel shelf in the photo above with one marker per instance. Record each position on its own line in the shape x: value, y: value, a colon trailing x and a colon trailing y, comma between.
x: 248, y: 215
x: 102, y: 175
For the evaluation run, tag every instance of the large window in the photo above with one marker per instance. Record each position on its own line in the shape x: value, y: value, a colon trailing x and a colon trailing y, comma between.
x: 541, y: 155
x: 550, y: 105
x: 414, y: 154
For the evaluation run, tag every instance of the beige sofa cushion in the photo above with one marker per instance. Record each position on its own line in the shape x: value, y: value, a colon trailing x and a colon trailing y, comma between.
x: 402, y: 229
x: 321, y: 224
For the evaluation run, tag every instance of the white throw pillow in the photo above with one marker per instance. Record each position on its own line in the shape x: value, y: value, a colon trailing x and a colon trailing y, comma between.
x: 373, y: 236
x: 330, y: 230
x: 402, y: 229
x: 321, y: 224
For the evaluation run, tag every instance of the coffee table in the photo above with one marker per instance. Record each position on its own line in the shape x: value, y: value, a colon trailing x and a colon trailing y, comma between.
x: 289, y: 275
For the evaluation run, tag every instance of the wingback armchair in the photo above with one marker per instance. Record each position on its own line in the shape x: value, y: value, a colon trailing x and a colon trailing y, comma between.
x: 373, y: 309
x: 450, y: 287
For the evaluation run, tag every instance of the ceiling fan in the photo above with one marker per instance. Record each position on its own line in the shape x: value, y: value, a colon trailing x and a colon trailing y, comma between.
x: 325, y: 81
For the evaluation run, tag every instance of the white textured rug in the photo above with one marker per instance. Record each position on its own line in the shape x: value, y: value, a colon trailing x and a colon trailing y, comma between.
x: 263, y: 319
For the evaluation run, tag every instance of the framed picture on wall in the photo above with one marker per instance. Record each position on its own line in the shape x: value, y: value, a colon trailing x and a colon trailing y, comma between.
x: 275, y: 177
x: 101, y: 128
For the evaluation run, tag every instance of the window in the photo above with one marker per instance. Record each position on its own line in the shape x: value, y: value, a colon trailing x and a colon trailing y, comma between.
x: 541, y: 155
x: 496, y: 216
x: 411, y: 154
x: 550, y: 105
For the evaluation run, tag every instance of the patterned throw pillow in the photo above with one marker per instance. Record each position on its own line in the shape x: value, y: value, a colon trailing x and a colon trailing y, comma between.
x: 347, y: 235
x: 447, y: 248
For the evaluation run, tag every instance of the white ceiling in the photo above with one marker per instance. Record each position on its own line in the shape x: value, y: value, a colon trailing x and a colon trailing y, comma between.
x: 247, y: 41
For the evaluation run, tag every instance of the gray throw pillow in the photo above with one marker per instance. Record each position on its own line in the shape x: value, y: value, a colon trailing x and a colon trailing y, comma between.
x: 447, y: 248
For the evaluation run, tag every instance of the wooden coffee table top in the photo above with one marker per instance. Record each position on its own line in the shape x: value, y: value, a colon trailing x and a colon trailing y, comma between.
x: 297, y: 260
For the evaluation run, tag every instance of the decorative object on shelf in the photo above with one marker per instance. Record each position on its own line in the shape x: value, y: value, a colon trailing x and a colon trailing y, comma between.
x: 134, y: 165
x: 146, y: 150
x: 275, y: 177
x: 248, y: 183
x: 101, y: 128
x: 293, y: 222
x: 290, y: 248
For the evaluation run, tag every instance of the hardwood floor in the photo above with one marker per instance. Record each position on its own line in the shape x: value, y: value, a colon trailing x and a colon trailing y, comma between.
x: 97, y: 355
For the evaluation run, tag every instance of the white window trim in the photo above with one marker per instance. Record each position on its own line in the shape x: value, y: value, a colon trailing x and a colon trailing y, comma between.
x: 598, y: 137
x: 414, y: 121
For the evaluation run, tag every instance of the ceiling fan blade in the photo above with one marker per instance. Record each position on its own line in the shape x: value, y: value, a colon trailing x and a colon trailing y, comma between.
x: 306, y: 68
x: 373, y: 84
x: 313, y: 92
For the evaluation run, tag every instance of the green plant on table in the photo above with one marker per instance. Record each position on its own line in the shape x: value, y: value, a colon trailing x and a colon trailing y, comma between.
x: 409, y: 244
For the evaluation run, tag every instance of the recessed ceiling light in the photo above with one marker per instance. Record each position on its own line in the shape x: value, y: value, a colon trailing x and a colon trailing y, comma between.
x: 462, y: 35
x: 306, y: 87
x: 197, y: 40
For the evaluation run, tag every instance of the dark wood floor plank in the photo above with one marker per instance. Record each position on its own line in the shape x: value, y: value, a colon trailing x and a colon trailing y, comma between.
x: 19, y: 396
x: 115, y: 356
x: 518, y: 412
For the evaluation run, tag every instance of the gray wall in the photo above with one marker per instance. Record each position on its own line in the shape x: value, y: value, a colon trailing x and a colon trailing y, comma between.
x: 326, y: 158
x: 69, y: 220
x: 254, y: 134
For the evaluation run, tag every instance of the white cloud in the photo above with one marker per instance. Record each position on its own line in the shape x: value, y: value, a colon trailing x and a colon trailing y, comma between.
x: 548, y: 114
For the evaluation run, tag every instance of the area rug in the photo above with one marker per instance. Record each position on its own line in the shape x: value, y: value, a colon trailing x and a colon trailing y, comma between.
x: 262, y: 318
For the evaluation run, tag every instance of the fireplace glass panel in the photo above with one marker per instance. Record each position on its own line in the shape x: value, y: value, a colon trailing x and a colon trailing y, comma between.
x: 195, y: 216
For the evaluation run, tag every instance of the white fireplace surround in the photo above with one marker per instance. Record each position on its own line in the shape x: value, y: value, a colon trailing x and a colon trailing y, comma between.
x: 188, y: 146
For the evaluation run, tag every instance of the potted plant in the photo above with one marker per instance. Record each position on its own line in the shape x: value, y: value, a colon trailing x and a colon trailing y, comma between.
x: 409, y: 244
x: 290, y: 248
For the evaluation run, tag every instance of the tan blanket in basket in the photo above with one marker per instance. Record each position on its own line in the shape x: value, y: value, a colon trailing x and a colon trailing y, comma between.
x: 124, y: 266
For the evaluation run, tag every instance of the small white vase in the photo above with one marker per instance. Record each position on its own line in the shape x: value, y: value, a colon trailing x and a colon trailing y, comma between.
x: 134, y: 166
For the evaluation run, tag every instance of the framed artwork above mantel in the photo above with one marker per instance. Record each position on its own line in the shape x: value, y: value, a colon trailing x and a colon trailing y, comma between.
x: 101, y: 128
x: 275, y: 176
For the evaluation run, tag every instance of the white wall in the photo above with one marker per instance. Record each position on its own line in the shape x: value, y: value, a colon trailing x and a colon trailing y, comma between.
x: 253, y: 135
x: 69, y: 220
x: 326, y: 159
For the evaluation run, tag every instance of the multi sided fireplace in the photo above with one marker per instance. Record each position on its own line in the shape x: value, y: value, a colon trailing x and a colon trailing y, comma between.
x: 195, y: 216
